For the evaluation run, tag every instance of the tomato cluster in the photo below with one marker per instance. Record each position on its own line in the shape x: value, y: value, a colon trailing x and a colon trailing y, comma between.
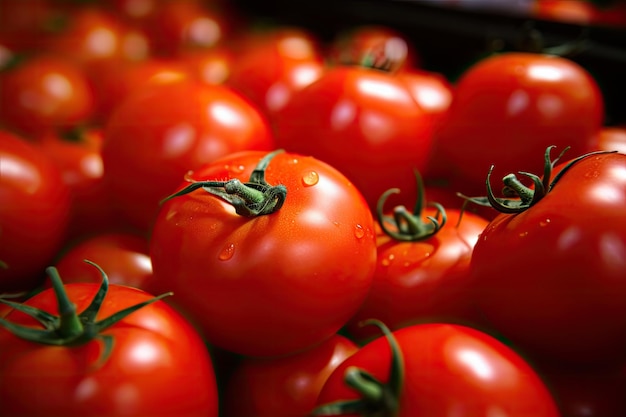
x: 203, y: 216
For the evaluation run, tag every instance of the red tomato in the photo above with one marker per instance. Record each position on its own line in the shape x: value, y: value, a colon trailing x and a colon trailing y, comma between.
x: 116, y: 81
x: 287, y: 386
x: 125, y: 257
x: 509, y: 108
x: 550, y: 278
x: 94, y: 36
x: 150, y: 362
x: 613, y: 138
x: 176, y: 26
x: 373, y: 45
x: 34, y: 213
x: 366, y: 123
x: 151, y: 140
x: 272, y: 66
x: 44, y: 93
x: 212, y: 66
x: 270, y: 284
x: 439, y: 370
x: 422, y: 270
x: 79, y: 158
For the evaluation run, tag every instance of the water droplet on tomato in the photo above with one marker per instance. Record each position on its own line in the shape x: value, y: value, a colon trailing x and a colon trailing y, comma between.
x: 227, y: 252
x: 387, y: 261
x: 310, y: 178
x: 544, y: 223
x: 237, y: 169
x: 523, y: 234
x: 359, y: 231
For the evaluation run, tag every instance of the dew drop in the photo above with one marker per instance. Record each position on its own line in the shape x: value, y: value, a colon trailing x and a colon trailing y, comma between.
x: 227, y: 252
x: 310, y: 178
x: 385, y: 262
x: 523, y: 234
x: 359, y: 231
x: 237, y: 169
x: 544, y: 223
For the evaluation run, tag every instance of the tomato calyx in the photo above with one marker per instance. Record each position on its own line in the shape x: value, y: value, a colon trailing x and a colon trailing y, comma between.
x: 250, y: 199
x: 377, y: 398
x: 408, y: 226
x: 519, y: 197
x: 70, y: 328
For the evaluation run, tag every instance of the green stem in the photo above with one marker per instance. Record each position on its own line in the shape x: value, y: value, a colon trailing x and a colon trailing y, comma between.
x: 250, y: 199
x: 70, y: 326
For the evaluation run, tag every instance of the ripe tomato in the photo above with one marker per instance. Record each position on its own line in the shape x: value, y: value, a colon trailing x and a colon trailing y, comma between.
x: 550, y: 277
x: 366, y: 123
x: 270, y: 284
x: 78, y: 156
x: 177, y: 26
x: 508, y: 108
x: 94, y: 36
x: 34, y: 213
x: 273, y: 65
x: 44, y: 93
x: 613, y: 138
x: 125, y: 257
x: 433, y: 370
x: 422, y: 269
x: 150, y: 362
x: 287, y: 386
x: 373, y: 44
x: 151, y: 140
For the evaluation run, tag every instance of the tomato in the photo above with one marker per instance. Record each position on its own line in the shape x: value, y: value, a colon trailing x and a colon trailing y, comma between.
x: 34, y: 213
x: 550, y: 276
x: 44, y: 93
x: 273, y: 65
x: 212, y: 66
x: 79, y: 158
x: 508, y: 108
x: 94, y: 36
x: 422, y: 270
x: 373, y: 44
x: 144, y: 362
x: 176, y: 26
x: 116, y: 81
x: 124, y: 255
x: 366, y: 123
x: 613, y: 138
x: 151, y: 140
x: 287, y: 386
x: 432, y: 370
x: 261, y: 283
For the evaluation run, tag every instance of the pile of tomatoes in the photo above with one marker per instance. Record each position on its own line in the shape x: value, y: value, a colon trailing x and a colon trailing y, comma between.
x: 202, y: 215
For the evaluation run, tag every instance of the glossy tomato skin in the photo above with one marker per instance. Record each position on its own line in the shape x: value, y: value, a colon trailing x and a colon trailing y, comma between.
x: 422, y: 281
x: 364, y: 122
x: 551, y: 278
x: 78, y: 155
x: 158, y: 366
x: 509, y: 108
x: 273, y: 284
x: 123, y: 255
x: 45, y: 93
x: 271, y: 66
x: 34, y: 213
x: 152, y: 140
x: 287, y: 386
x: 450, y: 370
